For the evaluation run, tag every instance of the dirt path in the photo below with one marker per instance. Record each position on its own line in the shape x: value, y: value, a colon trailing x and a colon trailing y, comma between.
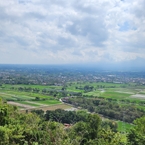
x: 21, y: 105
x: 37, y: 103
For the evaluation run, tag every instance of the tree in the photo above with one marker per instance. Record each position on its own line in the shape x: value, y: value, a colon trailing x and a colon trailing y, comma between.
x: 108, y: 137
x: 136, y: 135
x: 93, y: 123
x: 80, y: 132
x: 40, y: 113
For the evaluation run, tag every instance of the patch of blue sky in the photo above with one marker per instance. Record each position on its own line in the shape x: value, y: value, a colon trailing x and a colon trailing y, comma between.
x: 126, y: 26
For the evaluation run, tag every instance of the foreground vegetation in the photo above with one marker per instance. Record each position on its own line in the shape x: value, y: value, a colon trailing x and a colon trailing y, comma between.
x: 37, y: 128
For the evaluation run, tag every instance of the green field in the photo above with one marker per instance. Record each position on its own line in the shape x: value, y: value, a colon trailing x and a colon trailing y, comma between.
x: 128, y: 92
x: 115, y: 95
x: 28, y: 103
x: 24, y: 99
x: 49, y: 102
x: 123, y: 126
x: 93, y: 93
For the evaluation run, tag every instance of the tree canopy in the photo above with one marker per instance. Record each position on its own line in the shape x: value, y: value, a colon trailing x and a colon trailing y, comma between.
x: 86, y: 129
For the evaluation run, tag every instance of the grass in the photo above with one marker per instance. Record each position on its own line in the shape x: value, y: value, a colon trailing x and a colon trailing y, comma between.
x: 15, y: 96
x: 27, y: 103
x: 49, y: 102
x: 115, y: 95
x: 54, y: 107
x: 93, y: 93
x: 74, y: 90
x: 21, y: 97
x: 18, y: 94
x: 123, y: 126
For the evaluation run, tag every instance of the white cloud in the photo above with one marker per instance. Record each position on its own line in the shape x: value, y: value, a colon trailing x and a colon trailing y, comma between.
x: 72, y: 31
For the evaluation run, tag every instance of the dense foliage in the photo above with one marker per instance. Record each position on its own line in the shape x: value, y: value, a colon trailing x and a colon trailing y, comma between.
x: 29, y: 129
x: 108, y: 108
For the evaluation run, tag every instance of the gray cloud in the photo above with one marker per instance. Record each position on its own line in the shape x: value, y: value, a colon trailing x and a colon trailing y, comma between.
x: 138, y: 8
x: 85, y: 30
x: 92, y: 28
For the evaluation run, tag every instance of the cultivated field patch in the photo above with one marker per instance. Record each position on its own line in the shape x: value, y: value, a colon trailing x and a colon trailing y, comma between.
x: 125, y: 92
x: 138, y: 96
x: 115, y: 95
x: 21, y: 105
x: 29, y: 103
x: 49, y: 102
x: 27, y: 100
x: 54, y: 107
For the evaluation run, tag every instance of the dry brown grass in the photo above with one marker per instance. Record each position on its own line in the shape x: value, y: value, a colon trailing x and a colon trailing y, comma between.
x: 52, y: 107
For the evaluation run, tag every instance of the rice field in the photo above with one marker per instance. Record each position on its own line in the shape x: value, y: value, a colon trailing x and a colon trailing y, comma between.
x: 127, y: 92
x: 115, y: 95
x: 27, y: 100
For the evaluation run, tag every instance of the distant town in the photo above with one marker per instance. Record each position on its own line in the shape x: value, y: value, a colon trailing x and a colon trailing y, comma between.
x: 58, y: 76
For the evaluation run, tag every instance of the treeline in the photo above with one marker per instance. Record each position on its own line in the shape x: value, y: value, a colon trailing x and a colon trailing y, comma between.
x: 108, y: 108
x: 89, y: 88
x: 31, y: 129
x: 52, y: 92
x: 72, y: 117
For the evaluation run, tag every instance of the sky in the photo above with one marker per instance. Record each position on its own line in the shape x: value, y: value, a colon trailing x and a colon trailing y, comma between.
x: 72, y: 32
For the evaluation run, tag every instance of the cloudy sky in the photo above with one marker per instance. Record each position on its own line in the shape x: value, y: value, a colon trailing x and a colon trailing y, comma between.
x: 72, y: 31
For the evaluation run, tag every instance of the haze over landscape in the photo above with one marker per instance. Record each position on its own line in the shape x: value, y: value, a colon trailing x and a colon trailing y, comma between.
x: 72, y: 72
x: 108, y: 32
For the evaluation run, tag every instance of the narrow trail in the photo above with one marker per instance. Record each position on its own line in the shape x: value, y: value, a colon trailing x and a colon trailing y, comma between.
x: 21, y: 105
